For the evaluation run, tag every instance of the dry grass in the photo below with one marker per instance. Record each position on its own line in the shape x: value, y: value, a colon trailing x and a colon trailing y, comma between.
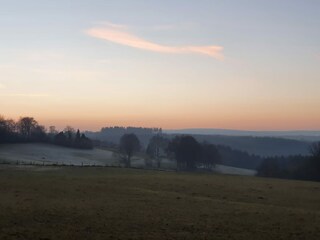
x: 106, y: 203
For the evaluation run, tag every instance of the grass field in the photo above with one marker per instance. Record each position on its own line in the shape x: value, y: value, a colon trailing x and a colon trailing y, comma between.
x: 48, y: 154
x: 110, y: 203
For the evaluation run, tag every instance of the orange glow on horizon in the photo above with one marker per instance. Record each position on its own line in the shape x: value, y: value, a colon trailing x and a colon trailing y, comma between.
x: 243, y: 116
x: 270, y: 124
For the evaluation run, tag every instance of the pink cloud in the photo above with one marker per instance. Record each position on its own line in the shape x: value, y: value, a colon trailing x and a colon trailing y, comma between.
x: 120, y: 35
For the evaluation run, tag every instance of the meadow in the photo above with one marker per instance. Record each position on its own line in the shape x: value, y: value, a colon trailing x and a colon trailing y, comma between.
x: 46, y: 202
x: 48, y: 155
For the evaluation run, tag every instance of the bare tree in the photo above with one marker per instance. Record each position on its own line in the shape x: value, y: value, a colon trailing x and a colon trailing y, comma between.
x: 187, y: 152
x: 69, y: 131
x: 156, y: 146
x: 52, y: 130
x: 315, y: 149
x: 26, y: 125
x: 129, y: 144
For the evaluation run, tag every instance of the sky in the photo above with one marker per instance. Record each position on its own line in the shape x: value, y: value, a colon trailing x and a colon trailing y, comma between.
x: 231, y: 64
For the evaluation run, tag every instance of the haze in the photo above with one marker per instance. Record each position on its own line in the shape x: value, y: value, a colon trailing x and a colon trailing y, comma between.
x: 250, y: 65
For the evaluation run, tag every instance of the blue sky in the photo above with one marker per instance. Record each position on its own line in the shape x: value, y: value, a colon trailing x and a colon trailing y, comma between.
x: 266, y: 75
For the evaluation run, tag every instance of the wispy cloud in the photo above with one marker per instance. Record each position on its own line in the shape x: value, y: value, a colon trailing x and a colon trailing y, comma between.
x: 120, y: 34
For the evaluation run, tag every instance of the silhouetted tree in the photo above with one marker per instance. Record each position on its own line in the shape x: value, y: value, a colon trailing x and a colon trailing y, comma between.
x: 61, y: 139
x: 77, y: 140
x: 209, y: 155
x: 25, y: 126
x: 85, y: 143
x: 129, y: 144
x: 187, y: 152
x: 10, y: 125
x: 78, y: 136
x: 7, y: 130
x: 69, y: 131
x: 38, y: 134
x: 315, y: 149
x: 156, y: 146
x: 52, y: 130
x: 313, y: 165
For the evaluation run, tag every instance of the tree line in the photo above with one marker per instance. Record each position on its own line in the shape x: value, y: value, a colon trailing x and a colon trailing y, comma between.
x: 27, y: 130
x: 190, y: 155
x: 71, y: 138
x: 293, y: 167
x: 112, y: 135
x: 185, y: 150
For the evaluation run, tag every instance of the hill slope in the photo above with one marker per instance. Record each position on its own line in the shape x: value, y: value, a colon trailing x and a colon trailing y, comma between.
x: 49, y: 154
x: 261, y: 146
x: 46, y: 154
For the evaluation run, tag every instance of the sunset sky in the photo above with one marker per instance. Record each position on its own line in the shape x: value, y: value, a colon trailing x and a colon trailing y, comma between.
x: 232, y: 64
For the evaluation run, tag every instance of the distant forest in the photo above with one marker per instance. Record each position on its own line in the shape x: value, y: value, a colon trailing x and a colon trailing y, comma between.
x: 112, y: 135
x: 293, y: 167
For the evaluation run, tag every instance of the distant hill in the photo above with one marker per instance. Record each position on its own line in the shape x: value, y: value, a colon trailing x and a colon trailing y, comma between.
x: 296, y: 135
x: 261, y: 146
x: 262, y: 143
x: 113, y: 134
